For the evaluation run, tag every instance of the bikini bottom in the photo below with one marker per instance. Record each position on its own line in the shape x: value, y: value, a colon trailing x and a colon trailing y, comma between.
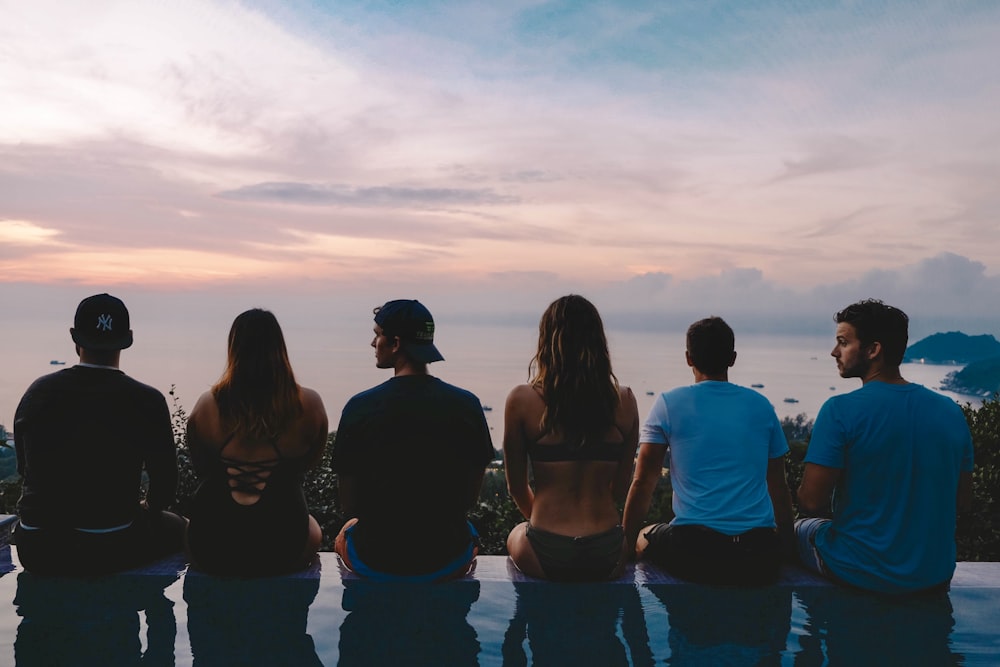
x: 586, y: 558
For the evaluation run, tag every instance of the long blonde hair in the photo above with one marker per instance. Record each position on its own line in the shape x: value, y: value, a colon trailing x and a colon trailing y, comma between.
x: 257, y: 394
x: 572, y: 368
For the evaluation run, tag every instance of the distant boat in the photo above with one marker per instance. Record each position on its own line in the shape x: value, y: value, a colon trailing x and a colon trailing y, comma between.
x: 757, y: 385
x: 650, y: 393
x: 791, y: 400
x: 833, y: 389
x: 56, y: 362
x: 487, y: 408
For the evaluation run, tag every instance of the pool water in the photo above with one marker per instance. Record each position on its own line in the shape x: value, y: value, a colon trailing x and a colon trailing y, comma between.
x: 327, y: 617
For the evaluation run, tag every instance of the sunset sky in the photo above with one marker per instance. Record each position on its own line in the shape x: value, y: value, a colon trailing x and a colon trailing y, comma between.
x: 755, y: 156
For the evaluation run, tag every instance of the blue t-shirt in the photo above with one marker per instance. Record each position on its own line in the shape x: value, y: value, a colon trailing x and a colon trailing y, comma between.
x: 901, y: 449
x: 720, y: 437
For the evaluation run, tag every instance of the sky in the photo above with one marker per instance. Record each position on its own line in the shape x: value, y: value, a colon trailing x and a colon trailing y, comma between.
x: 764, y: 161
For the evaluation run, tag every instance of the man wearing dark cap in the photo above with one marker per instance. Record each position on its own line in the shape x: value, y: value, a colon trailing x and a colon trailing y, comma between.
x: 83, y: 437
x: 410, y: 455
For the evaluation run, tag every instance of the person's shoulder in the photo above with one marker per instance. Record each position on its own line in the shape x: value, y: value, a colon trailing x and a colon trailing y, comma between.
x: 311, y: 400
x: 455, y: 392
x: 140, y: 387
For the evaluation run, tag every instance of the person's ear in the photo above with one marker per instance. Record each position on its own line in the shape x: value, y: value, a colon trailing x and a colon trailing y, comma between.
x: 874, y: 350
x: 732, y: 360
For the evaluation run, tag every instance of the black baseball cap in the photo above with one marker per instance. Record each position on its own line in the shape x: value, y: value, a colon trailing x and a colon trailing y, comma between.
x: 412, y: 322
x: 101, y: 323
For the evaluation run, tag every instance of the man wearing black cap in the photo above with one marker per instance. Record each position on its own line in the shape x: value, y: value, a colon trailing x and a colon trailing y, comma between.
x: 83, y: 437
x: 409, y: 456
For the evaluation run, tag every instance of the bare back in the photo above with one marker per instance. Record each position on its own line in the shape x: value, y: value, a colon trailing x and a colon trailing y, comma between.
x: 576, y: 487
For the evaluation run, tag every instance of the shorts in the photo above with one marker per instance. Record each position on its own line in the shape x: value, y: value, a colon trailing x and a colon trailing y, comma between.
x: 67, y: 551
x: 702, y: 555
x: 586, y: 558
x: 454, y: 568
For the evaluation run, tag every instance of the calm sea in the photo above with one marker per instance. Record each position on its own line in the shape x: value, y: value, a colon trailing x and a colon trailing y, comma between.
x: 337, y: 361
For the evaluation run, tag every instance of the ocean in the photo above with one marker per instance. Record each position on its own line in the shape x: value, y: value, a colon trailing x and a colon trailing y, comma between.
x: 797, y: 372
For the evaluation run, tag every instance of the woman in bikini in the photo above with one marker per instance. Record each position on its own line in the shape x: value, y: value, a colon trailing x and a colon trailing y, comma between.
x: 579, y: 431
x: 252, y: 437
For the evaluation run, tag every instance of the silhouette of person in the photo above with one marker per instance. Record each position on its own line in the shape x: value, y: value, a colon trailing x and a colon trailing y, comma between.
x: 249, y: 622
x: 408, y: 623
x: 94, y: 621
x: 576, y: 625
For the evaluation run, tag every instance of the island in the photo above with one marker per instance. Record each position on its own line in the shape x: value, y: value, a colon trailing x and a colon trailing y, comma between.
x: 980, y: 378
x: 952, y: 348
x: 979, y: 354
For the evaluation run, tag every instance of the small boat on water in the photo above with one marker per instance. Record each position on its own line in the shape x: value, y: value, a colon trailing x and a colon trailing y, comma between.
x: 791, y: 400
x: 487, y: 408
x: 650, y: 393
x: 757, y: 385
x: 56, y: 362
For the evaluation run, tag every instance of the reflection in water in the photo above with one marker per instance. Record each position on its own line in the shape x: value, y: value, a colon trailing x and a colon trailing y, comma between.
x: 712, y: 625
x: 860, y: 628
x: 250, y: 621
x: 577, y: 624
x: 66, y: 621
x: 408, y: 624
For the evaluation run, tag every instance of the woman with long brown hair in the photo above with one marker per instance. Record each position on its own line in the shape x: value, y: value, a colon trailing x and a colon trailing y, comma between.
x: 252, y: 437
x: 578, y: 430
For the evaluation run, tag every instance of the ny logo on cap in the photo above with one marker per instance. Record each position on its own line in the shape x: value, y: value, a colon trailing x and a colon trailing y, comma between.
x: 104, y: 322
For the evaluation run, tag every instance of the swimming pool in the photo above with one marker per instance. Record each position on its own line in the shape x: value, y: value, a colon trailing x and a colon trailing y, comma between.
x: 327, y: 617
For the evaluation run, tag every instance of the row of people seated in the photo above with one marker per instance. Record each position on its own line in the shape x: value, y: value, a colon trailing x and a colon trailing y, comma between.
x: 896, y: 457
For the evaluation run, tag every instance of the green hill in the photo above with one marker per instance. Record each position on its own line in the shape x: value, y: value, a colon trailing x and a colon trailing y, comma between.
x: 953, y: 347
x: 980, y: 378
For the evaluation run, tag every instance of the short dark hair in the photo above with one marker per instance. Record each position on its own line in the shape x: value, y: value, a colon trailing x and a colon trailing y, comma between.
x: 710, y: 344
x: 874, y: 321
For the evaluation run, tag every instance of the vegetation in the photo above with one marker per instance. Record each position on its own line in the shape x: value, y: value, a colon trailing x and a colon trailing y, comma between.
x: 978, y: 535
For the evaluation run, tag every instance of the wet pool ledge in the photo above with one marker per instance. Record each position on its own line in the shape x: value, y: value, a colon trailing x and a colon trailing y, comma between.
x: 329, y: 569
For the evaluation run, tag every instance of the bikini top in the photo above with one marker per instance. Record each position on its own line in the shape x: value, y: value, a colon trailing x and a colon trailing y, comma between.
x: 248, y: 474
x: 587, y: 451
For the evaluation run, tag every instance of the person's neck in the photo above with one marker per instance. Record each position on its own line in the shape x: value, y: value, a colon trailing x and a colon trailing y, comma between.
x: 410, y: 368
x: 714, y: 377
x: 102, y: 360
x: 886, y: 374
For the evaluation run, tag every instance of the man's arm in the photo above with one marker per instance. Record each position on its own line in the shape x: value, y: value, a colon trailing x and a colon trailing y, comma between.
x: 161, y: 458
x: 781, y: 501
x: 648, y: 469
x: 348, y: 495
x: 816, y: 488
x: 964, y: 503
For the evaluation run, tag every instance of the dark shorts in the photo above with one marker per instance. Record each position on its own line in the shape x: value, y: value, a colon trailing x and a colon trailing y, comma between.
x: 457, y: 567
x: 703, y: 555
x: 586, y: 558
x: 66, y: 551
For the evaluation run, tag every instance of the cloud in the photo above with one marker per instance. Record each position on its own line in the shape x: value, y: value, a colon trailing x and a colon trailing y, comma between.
x: 345, y: 195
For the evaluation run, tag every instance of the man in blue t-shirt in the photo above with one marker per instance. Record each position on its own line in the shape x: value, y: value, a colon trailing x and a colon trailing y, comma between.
x: 896, y: 460
x: 727, y: 469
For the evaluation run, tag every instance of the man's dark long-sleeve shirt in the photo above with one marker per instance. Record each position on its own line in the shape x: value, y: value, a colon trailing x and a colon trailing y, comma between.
x: 83, y: 436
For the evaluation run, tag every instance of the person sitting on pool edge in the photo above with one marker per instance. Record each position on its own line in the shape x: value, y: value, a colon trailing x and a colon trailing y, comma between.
x: 895, y: 459
x: 577, y: 430
x: 410, y: 448
x: 83, y: 438
x: 726, y: 448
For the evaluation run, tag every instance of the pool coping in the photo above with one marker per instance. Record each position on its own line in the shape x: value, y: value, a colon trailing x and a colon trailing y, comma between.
x: 328, y: 566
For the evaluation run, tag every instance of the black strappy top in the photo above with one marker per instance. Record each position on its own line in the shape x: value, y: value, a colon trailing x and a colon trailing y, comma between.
x: 587, y: 451
x: 251, y: 473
